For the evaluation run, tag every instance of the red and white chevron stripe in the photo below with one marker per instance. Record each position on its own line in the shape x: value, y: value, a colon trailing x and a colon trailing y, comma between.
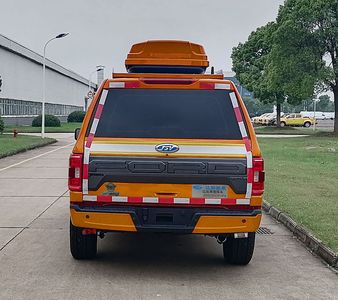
x: 200, y: 201
x: 169, y: 201
x: 247, y: 142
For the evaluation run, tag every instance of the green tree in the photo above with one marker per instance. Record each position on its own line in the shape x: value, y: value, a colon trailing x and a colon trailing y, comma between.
x: 325, y: 104
x: 250, y: 60
x: 303, y: 58
x: 256, y: 107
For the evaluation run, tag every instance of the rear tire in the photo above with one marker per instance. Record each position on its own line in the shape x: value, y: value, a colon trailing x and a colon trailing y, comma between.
x: 282, y: 124
x: 82, y: 246
x: 307, y: 124
x: 239, y: 251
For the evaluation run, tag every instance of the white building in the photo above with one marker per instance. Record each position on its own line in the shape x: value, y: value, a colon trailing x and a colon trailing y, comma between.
x: 21, y: 85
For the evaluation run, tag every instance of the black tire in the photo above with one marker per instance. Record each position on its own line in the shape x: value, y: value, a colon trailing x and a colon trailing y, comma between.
x: 82, y: 246
x: 307, y: 124
x: 239, y: 251
x: 282, y: 124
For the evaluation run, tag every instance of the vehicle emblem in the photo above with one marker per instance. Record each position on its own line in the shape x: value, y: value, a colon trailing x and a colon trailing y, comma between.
x: 167, y: 148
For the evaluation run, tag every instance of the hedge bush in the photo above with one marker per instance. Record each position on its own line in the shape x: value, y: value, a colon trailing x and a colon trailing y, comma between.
x: 2, y: 125
x: 76, y: 116
x: 50, y: 121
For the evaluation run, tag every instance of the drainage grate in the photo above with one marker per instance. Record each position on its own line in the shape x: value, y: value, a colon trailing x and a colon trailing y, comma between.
x: 264, y: 230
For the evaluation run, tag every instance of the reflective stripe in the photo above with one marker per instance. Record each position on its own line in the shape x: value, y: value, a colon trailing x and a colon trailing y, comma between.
x: 86, y: 156
x: 89, y: 198
x: 247, y: 142
x: 234, y: 100
x: 243, y: 201
x: 85, y: 186
x: 213, y: 201
x: 94, y: 125
x: 184, y: 149
x: 119, y: 199
x: 152, y: 200
x: 117, y: 85
x: 222, y: 86
x: 89, y: 141
x: 103, y: 98
x: 248, y: 190
x: 242, y: 129
x: 249, y: 160
x: 181, y: 200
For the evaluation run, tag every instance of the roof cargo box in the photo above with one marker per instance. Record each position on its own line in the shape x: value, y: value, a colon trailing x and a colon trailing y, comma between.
x: 167, y: 57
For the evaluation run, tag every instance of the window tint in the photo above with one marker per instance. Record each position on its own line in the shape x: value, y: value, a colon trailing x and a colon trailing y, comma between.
x: 146, y: 113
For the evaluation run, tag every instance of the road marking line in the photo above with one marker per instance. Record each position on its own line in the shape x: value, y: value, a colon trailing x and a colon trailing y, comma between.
x: 29, y: 159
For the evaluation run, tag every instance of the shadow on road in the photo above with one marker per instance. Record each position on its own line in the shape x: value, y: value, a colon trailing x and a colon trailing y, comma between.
x: 159, y: 251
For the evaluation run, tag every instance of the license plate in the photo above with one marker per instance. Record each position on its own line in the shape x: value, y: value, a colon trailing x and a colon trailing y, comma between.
x: 209, y: 191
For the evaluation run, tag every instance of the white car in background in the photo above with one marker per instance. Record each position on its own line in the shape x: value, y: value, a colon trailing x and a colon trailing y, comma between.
x: 271, y: 119
x: 329, y: 115
x: 258, y: 120
x: 318, y: 115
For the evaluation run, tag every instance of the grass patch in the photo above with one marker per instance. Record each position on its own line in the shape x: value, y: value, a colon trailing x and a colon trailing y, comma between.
x: 302, y: 180
x: 65, y: 127
x: 10, y: 146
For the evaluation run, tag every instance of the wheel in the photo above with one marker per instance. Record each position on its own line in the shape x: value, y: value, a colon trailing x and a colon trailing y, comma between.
x: 239, y: 251
x: 82, y: 246
x: 307, y: 124
x: 282, y: 124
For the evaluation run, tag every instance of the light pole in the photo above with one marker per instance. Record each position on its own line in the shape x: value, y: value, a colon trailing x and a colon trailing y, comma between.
x: 61, y: 35
x: 314, y: 114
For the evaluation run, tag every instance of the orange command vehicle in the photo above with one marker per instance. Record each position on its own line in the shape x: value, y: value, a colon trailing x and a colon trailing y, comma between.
x: 166, y: 148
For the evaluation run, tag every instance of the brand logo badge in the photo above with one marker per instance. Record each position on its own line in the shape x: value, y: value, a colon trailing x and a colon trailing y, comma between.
x: 167, y: 148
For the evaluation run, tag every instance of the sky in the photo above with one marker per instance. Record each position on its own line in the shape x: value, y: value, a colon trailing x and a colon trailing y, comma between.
x: 102, y: 31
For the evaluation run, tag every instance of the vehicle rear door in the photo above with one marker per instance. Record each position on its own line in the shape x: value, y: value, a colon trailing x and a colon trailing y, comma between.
x: 169, y: 146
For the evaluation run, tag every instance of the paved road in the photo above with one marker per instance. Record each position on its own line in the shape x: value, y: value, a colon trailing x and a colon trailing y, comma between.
x: 325, y: 124
x: 35, y: 262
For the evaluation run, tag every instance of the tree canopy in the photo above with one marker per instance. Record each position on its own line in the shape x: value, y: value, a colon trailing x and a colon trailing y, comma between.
x: 250, y: 61
x: 303, y: 58
x: 294, y: 58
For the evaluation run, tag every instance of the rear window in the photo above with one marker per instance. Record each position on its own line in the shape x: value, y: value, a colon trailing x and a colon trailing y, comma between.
x: 182, y: 114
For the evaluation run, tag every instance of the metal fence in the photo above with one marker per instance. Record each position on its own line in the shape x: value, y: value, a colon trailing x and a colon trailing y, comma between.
x: 13, y: 107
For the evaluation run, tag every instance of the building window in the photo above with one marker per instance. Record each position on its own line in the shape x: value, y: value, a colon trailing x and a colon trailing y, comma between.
x: 13, y: 107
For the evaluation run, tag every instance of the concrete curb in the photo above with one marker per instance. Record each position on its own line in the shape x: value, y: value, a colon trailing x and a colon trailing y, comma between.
x: 308, y: 239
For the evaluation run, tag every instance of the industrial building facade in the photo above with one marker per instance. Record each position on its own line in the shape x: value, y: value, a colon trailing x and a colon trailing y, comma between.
x: 21, y: 85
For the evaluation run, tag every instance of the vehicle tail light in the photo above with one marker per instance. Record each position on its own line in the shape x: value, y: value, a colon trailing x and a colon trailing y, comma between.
x: 75, y: 172
x: 258, y: 176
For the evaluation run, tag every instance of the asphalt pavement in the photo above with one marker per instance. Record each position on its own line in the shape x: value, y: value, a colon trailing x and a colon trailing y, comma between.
x: 35, y: 261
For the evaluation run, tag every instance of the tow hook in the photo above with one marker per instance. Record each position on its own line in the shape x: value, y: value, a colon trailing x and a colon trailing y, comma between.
x: 221, y: 239
x: 100, y: 234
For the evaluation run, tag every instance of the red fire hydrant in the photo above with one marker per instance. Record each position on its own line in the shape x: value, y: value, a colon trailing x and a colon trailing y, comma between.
x: 15, y: 133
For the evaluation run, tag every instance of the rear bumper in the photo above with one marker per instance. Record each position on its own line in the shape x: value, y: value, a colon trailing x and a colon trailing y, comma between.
x: 165, y: 219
